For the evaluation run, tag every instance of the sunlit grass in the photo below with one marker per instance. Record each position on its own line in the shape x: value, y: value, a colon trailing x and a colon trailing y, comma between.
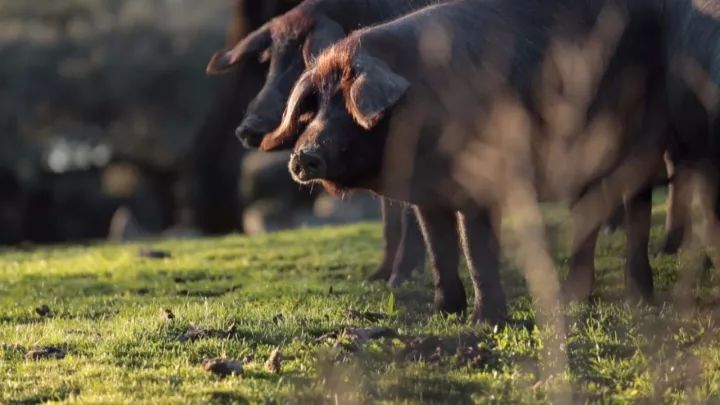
x: 286, y: 290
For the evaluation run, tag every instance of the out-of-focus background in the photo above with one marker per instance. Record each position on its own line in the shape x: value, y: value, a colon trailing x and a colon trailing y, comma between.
x: 109, y: 127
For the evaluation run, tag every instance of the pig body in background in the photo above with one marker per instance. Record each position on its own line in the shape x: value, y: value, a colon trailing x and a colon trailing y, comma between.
x: 215, y: 156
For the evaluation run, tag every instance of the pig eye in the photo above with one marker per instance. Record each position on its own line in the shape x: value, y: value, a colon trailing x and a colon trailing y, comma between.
x: 308, y: 110
x: 265, y: 56
x: 310, y: 104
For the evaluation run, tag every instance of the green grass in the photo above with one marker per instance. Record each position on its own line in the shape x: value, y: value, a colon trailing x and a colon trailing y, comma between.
x: 288, y: 289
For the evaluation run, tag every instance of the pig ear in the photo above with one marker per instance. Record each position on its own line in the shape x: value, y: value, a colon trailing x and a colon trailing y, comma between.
x: 287, y: 133
x: 325, y: 32
x: 253, y: 44
x: 373, y: 91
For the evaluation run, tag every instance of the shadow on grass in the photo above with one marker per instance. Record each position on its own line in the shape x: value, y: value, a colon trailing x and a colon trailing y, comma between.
x: 59, y: 395
x: 434, y: 390
x: 226, y: 397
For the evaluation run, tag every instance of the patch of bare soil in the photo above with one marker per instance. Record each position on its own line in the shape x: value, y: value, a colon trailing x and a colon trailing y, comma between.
x: 140, y: 291
x: 365, y: 315
x: 356, y: 336
x: 209, y: 293
x: 193, y: 333
x: 466, y: 350
x: 154, y: 254
x: 45, y: 352
x: 362, y: 335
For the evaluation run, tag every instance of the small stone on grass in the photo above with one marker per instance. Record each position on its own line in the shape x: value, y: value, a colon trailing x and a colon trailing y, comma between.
x: 43, y: 310
x: 223, y: 367
x: 274, y: 362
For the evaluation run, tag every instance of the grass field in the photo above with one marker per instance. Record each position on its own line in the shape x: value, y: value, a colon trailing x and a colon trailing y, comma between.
x: 108, y: 310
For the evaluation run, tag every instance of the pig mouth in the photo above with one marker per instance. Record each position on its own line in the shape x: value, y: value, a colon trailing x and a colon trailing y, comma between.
x: 303, y: 178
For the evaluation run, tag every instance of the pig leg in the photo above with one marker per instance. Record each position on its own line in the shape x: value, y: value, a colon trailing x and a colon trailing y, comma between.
x: 392, y: 213
x: 616, y: 221
x: 708, y: 182
x: 638, y: 273
x: 439, y: 228
x: 677, y: 217
x: 411, y: 250
x: 482, y: 253
x: 580, y: 279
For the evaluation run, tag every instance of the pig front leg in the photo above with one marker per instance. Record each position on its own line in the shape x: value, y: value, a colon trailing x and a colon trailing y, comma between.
x: 638, y: 273
x: 439, y: 227
x: 482, y: 252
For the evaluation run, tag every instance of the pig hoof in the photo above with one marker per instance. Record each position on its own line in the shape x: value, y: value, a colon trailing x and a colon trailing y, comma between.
x: 640, y: 294
x: 672, y: 243
x: 576, y: 289
x: 382, y: 274
x: 569, y: 296
x: 450, y: 306
x: 396, y: 280
x: 491, y: 307
x: 493, y: 316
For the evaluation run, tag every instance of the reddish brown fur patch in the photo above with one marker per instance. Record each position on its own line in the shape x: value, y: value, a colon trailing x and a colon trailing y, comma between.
x: 336, y: 61
x: 292, y: 24
x: 335, y: 65
x: 271, y: 143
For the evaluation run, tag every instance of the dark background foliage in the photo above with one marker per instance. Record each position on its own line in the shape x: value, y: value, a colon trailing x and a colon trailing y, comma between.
x: 108, y: 124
